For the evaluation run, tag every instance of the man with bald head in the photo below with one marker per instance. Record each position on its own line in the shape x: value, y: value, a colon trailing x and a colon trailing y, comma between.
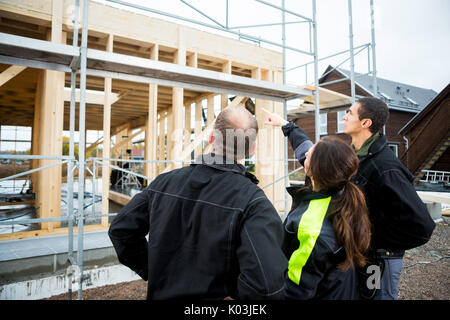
x: 212, y: 232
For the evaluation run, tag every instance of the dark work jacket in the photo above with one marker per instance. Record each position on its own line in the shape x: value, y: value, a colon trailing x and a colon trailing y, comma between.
x: 400, y: 220
x: 320, y: 276
x: 212, y: 233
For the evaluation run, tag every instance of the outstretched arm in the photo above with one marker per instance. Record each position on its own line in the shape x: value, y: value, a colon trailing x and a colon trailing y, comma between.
x: 297, y: 137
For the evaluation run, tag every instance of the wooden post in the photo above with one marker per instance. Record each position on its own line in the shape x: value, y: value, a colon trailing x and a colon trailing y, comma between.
x: 187, y: 126
x: 169, y: 129
x: 162, y: 142
x: 191, y: 62
x: 35, y: 135
x: 106, y: 171
x: 264, y: 152
x: 278, y: 151
x: 176, y: 134
x: 198, y: 126
x: 151, y: 123
x: 226, y: 68
x: 51, y: 119
x: 210, y: 110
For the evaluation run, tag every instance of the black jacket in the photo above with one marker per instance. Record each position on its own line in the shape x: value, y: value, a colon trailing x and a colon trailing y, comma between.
x: 212, y: 233
x: 400, y: 220
x: 320, y: 276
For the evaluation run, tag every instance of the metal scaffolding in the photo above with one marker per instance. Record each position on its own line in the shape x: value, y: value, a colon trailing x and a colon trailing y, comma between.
x: 16, y: 50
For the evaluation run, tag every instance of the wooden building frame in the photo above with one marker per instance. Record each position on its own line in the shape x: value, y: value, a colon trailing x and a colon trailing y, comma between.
x: 145, y: 76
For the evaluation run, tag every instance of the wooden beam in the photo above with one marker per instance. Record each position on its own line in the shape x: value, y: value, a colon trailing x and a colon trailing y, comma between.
x: 263, y: 168
x: 192, y: 61
x: 92, y: 98
x: 119, y: 198
x: 51, y: 108
x: 198, y: 127
x: 10, y: 73
x: 277, y: 151
x: 162, y: 140
x: 210, y: 110
x: 53, y: 232
x: 226, y: 68
x: 151, y: 134
x: 176, y: 134
x: 106, y: 171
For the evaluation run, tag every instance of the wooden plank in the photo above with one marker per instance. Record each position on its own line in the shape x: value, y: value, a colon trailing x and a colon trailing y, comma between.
x: 10, y: 73
x: 263, y: 168
x: 210, y: 110
x: 161, y: 140
x: 226, y: 68
x: 278, y: 140
x: 119, y: 198
x: 51, y: 130
x: 53, y: 232
x: 92, y: 98
x: 176, y: 134
x: 106, y: 171
x: 151, y: 131
x: 198, y: 127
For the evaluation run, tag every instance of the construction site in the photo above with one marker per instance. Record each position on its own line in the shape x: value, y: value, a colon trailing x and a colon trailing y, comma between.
x: 99, y: 98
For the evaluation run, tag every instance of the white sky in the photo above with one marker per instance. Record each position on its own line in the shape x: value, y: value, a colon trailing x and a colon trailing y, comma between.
x: 412, y: 36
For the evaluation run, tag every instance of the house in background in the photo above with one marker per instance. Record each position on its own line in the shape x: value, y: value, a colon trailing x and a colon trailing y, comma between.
x: 428, y: 137
x: 404, y: 102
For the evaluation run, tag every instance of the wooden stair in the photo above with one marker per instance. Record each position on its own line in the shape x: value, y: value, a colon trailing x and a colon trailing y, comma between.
x: 433, y: 157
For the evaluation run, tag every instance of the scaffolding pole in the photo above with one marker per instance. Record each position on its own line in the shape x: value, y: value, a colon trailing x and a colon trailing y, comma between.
x: 286, y: 156
x: 81, y: 149
x: 352, y: 58
x: 316, y: 75
x: 73, y: 82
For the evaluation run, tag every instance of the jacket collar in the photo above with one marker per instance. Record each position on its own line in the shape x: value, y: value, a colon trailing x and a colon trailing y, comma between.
x: 222, y: 163
x: 306, y: 194
x: 364, y: 150
x: 376, y: 146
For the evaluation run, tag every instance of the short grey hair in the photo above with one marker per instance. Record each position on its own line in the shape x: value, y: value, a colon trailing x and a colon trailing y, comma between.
x: 235, y: 132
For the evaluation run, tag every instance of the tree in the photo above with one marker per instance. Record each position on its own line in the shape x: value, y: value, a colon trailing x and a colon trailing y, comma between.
x: 66, y: 147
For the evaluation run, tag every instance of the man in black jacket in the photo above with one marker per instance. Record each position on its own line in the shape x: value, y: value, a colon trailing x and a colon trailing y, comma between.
x: 400, y: 220
x: 212, y: 232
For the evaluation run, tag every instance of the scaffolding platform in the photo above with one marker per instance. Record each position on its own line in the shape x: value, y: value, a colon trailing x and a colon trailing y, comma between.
x: 23, y: 51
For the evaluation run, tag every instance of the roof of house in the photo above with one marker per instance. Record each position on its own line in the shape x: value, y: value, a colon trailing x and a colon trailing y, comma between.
x: 431, y: 106
x: 397, y: 95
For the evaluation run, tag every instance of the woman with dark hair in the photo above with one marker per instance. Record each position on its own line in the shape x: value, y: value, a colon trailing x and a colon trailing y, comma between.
x: 327, y: 231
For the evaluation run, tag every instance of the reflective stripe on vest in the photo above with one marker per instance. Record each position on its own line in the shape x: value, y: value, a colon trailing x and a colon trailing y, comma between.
x: 308, y: 231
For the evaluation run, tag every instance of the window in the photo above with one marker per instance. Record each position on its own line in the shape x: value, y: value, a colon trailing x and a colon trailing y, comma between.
x: 394, y: 148
x: 323, y: 123
x: 340, y: 121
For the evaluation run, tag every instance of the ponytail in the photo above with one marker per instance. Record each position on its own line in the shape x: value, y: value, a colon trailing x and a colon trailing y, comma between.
x: 352, y: 225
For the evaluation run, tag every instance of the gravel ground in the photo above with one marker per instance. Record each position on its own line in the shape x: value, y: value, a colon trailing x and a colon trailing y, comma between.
x: 420, y: 279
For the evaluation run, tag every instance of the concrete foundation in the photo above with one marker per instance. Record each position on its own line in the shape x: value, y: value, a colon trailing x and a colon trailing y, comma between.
x: 36, y: 268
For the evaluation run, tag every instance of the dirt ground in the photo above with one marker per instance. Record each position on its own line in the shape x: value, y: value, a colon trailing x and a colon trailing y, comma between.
x: 425, y: 276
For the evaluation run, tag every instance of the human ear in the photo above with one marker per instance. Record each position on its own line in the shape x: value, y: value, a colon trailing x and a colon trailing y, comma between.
x: 366, y: 123
x: 210, y: 137
x: 253, y: 149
